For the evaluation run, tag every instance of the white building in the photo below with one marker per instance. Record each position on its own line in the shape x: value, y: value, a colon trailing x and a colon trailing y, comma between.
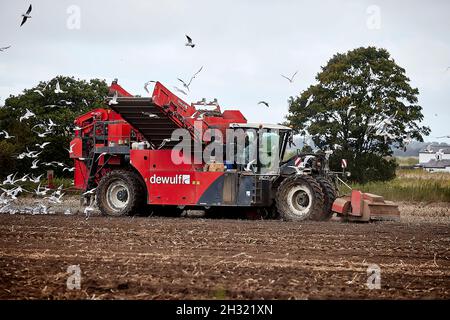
x: 435, y: 158
x: 433, y: 152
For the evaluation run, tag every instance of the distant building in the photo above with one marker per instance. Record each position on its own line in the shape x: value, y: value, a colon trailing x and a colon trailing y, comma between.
x: 437, y: 166
x: 432, y: 152
x: 435, y: 158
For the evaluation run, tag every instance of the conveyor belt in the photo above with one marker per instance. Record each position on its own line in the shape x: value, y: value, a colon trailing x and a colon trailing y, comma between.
x: 155, y: 130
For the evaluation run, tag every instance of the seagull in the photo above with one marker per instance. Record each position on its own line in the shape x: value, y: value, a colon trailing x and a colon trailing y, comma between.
x: 164, y: 142
x: 192, y: 78
x: 4, y: 48
x: 10, y: 179
x: 71, y: 148
x: 310, y: 99
x: 6, y: 134
x: 179, y: 90
x: 68, y: 169
x: 54, y: 198
x: 51, y: 124
x: 35, y: 179
x: 34, y: 164
x: 67, y: 212
x: 89, y: 192
x: 189, y: 42
x: 28, y: 114
x: 264, y: 103
x: 26, y: 15
x: 147, y: 84
x: 291, y: 79
x: 24, y: 178
x: 249, y: 165
x: 443, y: 137
x: 349, y: 110
x: 58, y: 88
x: 114, y: 99
x: 38, y: 91
x: 42, y: 146
x: 43, y: 134
x: 150, y: 115
x: 39, y: 192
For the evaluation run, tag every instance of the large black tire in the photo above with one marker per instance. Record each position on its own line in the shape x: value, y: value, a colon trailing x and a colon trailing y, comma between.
x: 329, y: 195
x: 299, y: 198
x: 120, y: 193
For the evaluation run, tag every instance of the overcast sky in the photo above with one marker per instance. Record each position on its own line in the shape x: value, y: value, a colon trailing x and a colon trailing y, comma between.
x: 244, y: 46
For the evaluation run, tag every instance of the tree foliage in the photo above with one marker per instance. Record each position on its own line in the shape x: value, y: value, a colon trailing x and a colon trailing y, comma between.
x: 79, y: 97
x: 362, y: 105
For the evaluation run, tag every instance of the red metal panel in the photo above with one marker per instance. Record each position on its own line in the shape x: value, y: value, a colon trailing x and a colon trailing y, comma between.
x: 80, y: 174
x: 357, y: 203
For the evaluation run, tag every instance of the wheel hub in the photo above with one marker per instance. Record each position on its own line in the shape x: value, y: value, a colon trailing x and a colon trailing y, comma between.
x: 117, y: 195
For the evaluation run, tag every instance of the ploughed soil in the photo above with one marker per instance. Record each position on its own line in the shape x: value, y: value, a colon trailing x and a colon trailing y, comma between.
x: 198, y: 258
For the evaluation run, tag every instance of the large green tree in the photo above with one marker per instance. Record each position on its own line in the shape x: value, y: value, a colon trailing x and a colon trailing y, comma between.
x: 61, y: 108
x: 361, y: 107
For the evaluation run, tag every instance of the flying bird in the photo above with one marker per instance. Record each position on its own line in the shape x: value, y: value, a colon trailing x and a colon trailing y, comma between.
x: 42, y: 146
x: 163, y: 143
x: 6, y: 135
x: 35, y: 179
x: 58, y: 88
x: 150, y: 115
x: 291, y: 79
x: 192, y: 78
x: 310, y: 99
x: 34, y: 164
x: 68, y: 169
x: 147, y: 84
x: 28, y: 114
x: 114, y: 98
x: 38, y: 91
x: 189, y: 42
x: 443, y: 137
x: 26, y: 15
x: 4, y: 48
x: 349, y: 110
x: 264, y: 103
x: 181, y: 91
x: 89, y: 192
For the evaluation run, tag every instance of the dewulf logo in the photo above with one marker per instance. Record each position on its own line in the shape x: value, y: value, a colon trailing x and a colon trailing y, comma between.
x: 178, y: 179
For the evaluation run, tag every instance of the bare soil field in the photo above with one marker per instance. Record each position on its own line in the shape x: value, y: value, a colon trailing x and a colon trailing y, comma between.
x: 197, y: 258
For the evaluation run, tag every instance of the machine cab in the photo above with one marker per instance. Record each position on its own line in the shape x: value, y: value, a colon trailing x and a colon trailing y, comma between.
x: 258, y: 148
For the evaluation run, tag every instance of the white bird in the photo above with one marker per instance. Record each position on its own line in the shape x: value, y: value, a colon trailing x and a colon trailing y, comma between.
x: 42, y: 146
x: 189, y: 42
x: 39, y: 91
x: 249, y: 165
x: 150, y: 115
x: 67, y: 212
x: 114, y: 98
x: 264, y: 103
x: 310, y: 99
x: 349, y: 110
x: 34, y: 164
x: 55, y: 199
x: 51, y: 124
x: 164, y: 142
x: 181, y: 91
x: 147, y: 84
x: 26, y: 15
x: 6, y: 134
x: 58, y: 88
x: 4, y: 48
x: 43, y: 134
x: 186, y: 85
x: 71, y: 148
x: 28, y: 114
x: 91, y: 191
x: 68, y: 169
x: 35, y: 179
x: 39, y: 192
x: 24, y: 178
x: 10, y: 179
x: 291, y: 79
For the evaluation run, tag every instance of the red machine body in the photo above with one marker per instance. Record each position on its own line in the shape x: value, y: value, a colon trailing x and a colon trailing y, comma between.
x: 167, y: 183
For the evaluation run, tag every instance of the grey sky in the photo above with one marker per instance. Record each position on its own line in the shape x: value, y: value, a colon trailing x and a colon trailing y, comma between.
x: 244, y: 46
